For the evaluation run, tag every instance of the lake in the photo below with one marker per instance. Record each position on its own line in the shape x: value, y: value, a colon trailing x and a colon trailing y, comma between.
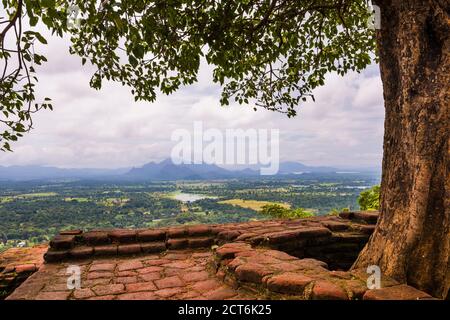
x: 190, y: 197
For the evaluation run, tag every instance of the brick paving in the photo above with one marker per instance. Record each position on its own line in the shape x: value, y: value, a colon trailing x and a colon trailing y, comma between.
x: 173, y: 275
x: 17, y: 264
x: 274, y: 259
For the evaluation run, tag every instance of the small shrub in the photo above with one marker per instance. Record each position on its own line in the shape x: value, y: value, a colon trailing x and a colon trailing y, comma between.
x: 336, y: 211
x: 277, y: 211
x: 370, y: 199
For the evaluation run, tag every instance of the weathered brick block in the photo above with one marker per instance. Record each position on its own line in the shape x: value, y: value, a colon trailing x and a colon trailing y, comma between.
x: 176, y: 233
x: 154, y: 247
x: 56, y: 255
x: 96, y: 237
x: 181, y: 264
x: 137, y: 296
x: 106, y: 250
x: 311, y: 232
x: 8, y: 269
x: 252, y: 272
x: 130, y: 265
x: 325, y: 290
x: 216, y: 229
x: 83, y: 293
x: 25, y: 268
x: 283, y: 236
x: 207, y: 285
x: 129, y: 248
x: 233, y: 263
x: 370, y: 217
x: 71, y: 232
x: 200, y: 230
x: 229, y: 250
x: 363, y: 228
x: 335, y: 225
x: 246, y: 236
x: 100, y: 275
x: 279, y: 255
x: 177, y: 244
x: 109, y: 289
x: 126, y: 280
x: 57, y: 295
x: 140, y: 286
x: 349, y: 238
x: 122, y: 236
x: 400, y: 292
x: 196, y: 276
x: 169, y: 292
x: 81, y: 252
x: 256, y: 240
x: 169, y: 282
x: 62, y: 242
x: 201, y: 242
x: 103, y: 267
x: 311, y: 264
x: 290, y: 283
x: 220, y: 294
x: 151, y: 235
x: 347, y: 215
x: 228, y: 235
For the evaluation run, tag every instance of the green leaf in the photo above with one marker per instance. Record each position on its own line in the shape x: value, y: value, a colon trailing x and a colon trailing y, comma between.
x: 33, y: 21
x: 40, y: 38
x: 133, y: 61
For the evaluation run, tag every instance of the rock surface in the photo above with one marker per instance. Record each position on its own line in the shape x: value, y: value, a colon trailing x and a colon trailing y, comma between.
x: 17, y: 264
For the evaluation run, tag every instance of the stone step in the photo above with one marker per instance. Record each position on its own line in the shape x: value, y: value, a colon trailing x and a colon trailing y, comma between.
x: 282, y: 276
x: 111, y: 249
x: 288, y: 235
x: 369, y: 217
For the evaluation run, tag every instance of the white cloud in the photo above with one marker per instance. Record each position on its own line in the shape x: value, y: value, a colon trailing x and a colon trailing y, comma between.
x: 106, y: 128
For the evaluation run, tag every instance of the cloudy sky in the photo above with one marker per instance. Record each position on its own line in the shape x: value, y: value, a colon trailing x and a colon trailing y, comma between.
x: 107, y: 129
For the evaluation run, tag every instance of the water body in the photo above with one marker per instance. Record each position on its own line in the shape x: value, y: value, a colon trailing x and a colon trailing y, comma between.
x: 190, y: 197
x: 357, y: 187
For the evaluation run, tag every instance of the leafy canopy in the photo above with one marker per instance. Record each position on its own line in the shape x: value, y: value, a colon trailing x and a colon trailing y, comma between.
x: 265, y: 53
x: 370, y: 199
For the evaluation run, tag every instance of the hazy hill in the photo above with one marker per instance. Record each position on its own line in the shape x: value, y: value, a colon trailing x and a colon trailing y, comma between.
x: 167, y: 170
x: 164, y: 170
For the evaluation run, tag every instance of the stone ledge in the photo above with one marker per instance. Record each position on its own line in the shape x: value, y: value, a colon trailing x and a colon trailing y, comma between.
x: 369, y: 217
x: 276, y: 275
x: 17, y: 264
x: 285, y: 235
x: 400, y: 292
x: 272, y: 259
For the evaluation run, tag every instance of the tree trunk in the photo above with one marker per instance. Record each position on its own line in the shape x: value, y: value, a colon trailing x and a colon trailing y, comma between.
x: 411, y: 242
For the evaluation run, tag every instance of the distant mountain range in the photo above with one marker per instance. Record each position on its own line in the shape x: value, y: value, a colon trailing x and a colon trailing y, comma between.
x: 299, y: 168
x: 164, y: 170
x: 167, y: 170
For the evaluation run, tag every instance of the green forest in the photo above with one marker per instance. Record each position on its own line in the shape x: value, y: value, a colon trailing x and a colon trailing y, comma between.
x: 33, y: 212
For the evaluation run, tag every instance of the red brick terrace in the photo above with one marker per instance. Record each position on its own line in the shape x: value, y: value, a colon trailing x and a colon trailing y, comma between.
x: 274, y: 259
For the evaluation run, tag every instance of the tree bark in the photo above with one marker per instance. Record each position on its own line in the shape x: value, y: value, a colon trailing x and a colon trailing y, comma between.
x: 411, y: 242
